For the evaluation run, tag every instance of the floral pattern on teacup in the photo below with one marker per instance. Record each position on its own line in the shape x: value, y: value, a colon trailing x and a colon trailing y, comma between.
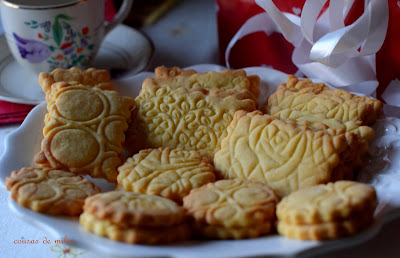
x: 58, y: 43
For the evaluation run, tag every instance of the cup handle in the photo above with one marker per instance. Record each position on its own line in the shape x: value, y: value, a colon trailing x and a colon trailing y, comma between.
x: 120, y: 16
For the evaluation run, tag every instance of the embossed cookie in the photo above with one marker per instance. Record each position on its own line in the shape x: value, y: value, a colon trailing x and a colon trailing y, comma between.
x: 228, y: 79
x: 90, y: 77
x: 84, y: 130
x: 135, y: 218
x: 284, y: 155
x: 135, y: 235
x: 232, y: 209
x: 303, y: 100
x: 327, y: 211
x: 50, y: 191
x: 135, y: 209
x: 183, y: 118
x: 166, y: 172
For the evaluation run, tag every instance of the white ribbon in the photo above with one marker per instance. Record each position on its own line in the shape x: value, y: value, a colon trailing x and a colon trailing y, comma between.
x: 326, y: 49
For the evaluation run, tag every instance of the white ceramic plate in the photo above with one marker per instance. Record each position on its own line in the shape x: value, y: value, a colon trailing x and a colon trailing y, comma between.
x: 124, y: 52
x: 382, y: 171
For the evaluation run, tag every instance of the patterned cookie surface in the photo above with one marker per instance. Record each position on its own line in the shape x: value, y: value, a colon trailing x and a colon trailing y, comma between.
x: 315, y: 98
x: 134, y: 235
x: 54, y: 192
x: 327, y: 211
x: 165, y: 172
x: 232, y: 203
x: 84, y: 130
x: 226, y: 80
x: 135, y: 209
x: 91, y: 77
x: 183, y: 118
x: 303, y: 99
x: 285, y: 155
x: 325, y: 203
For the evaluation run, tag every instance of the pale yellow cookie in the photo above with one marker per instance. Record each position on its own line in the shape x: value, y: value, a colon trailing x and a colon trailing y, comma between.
x: 282, y: 154
x: 91, y: 77
x: 304, y: 100
x: 84, y: 130
x: 232, y: 209
x: 327, y: 211
x: 325, y: 230
x: 183, y: 118
x: 135, y: 209
x: 170, y: 173
x: 221, y: 232
x: 134, y: 235
x: 228, y: 79
x: 50, y: 191
x: 327, y: 202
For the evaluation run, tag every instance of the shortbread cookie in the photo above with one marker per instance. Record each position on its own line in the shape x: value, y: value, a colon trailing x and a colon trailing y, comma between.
x: 183, y: 118
x: 134, y: 235
x: 221, y: 232
x: 303, y: 99
x: 327, y: 211
x: 90, y: 77
x: 84, y: 130
x: 228, y: 79
x: 135, y: 218
x: 135, y: 209
x: 232, y: 209
x: 282, y: 154
x: 50, y: 191
x: 165, y: 172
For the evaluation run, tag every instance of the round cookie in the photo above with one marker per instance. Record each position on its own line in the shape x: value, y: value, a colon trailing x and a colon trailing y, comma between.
x: 135, y: 235
x: 232, y: 209
x: 50, y: 191
x: 134, y: 209
x: 327, y: 211
x: 170, y: 173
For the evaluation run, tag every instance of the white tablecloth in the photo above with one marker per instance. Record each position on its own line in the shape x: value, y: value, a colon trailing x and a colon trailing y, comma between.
x: 176, y: 38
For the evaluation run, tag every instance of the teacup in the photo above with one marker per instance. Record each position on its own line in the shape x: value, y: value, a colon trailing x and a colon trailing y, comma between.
x: 47, y: 34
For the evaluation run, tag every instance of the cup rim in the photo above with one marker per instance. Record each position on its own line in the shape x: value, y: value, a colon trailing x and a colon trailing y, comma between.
x: 44, y: 7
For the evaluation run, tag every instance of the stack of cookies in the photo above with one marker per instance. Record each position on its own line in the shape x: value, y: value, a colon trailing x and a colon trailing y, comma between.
x: 232, y: 209
x: 327, y: 211
x: 202, y: 153
x: 309, y: 135
x: 135, y: 218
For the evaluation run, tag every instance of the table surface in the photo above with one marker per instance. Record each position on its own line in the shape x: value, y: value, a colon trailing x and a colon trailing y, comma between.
x: 176, y: 38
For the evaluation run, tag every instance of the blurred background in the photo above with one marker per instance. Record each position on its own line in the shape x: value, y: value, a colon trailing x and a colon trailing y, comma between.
x: 184, y: 33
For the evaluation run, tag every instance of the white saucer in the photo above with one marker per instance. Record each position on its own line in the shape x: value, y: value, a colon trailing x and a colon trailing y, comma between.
x: 124, y: 52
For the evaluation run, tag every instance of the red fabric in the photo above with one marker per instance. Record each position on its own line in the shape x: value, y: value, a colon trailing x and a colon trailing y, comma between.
x: 388, y: 57
x: 110, y: 10
x: 256, y: 49
x: 12, y: 112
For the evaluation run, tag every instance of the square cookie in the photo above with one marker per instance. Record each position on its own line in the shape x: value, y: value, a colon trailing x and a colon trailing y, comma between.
x: 84, y: 130
x: 176, y: 77
x: 183, y: 118
x: 304, y: 100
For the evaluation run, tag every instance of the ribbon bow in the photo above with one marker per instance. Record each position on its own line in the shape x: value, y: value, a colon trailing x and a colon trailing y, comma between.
x: 326, y: 49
